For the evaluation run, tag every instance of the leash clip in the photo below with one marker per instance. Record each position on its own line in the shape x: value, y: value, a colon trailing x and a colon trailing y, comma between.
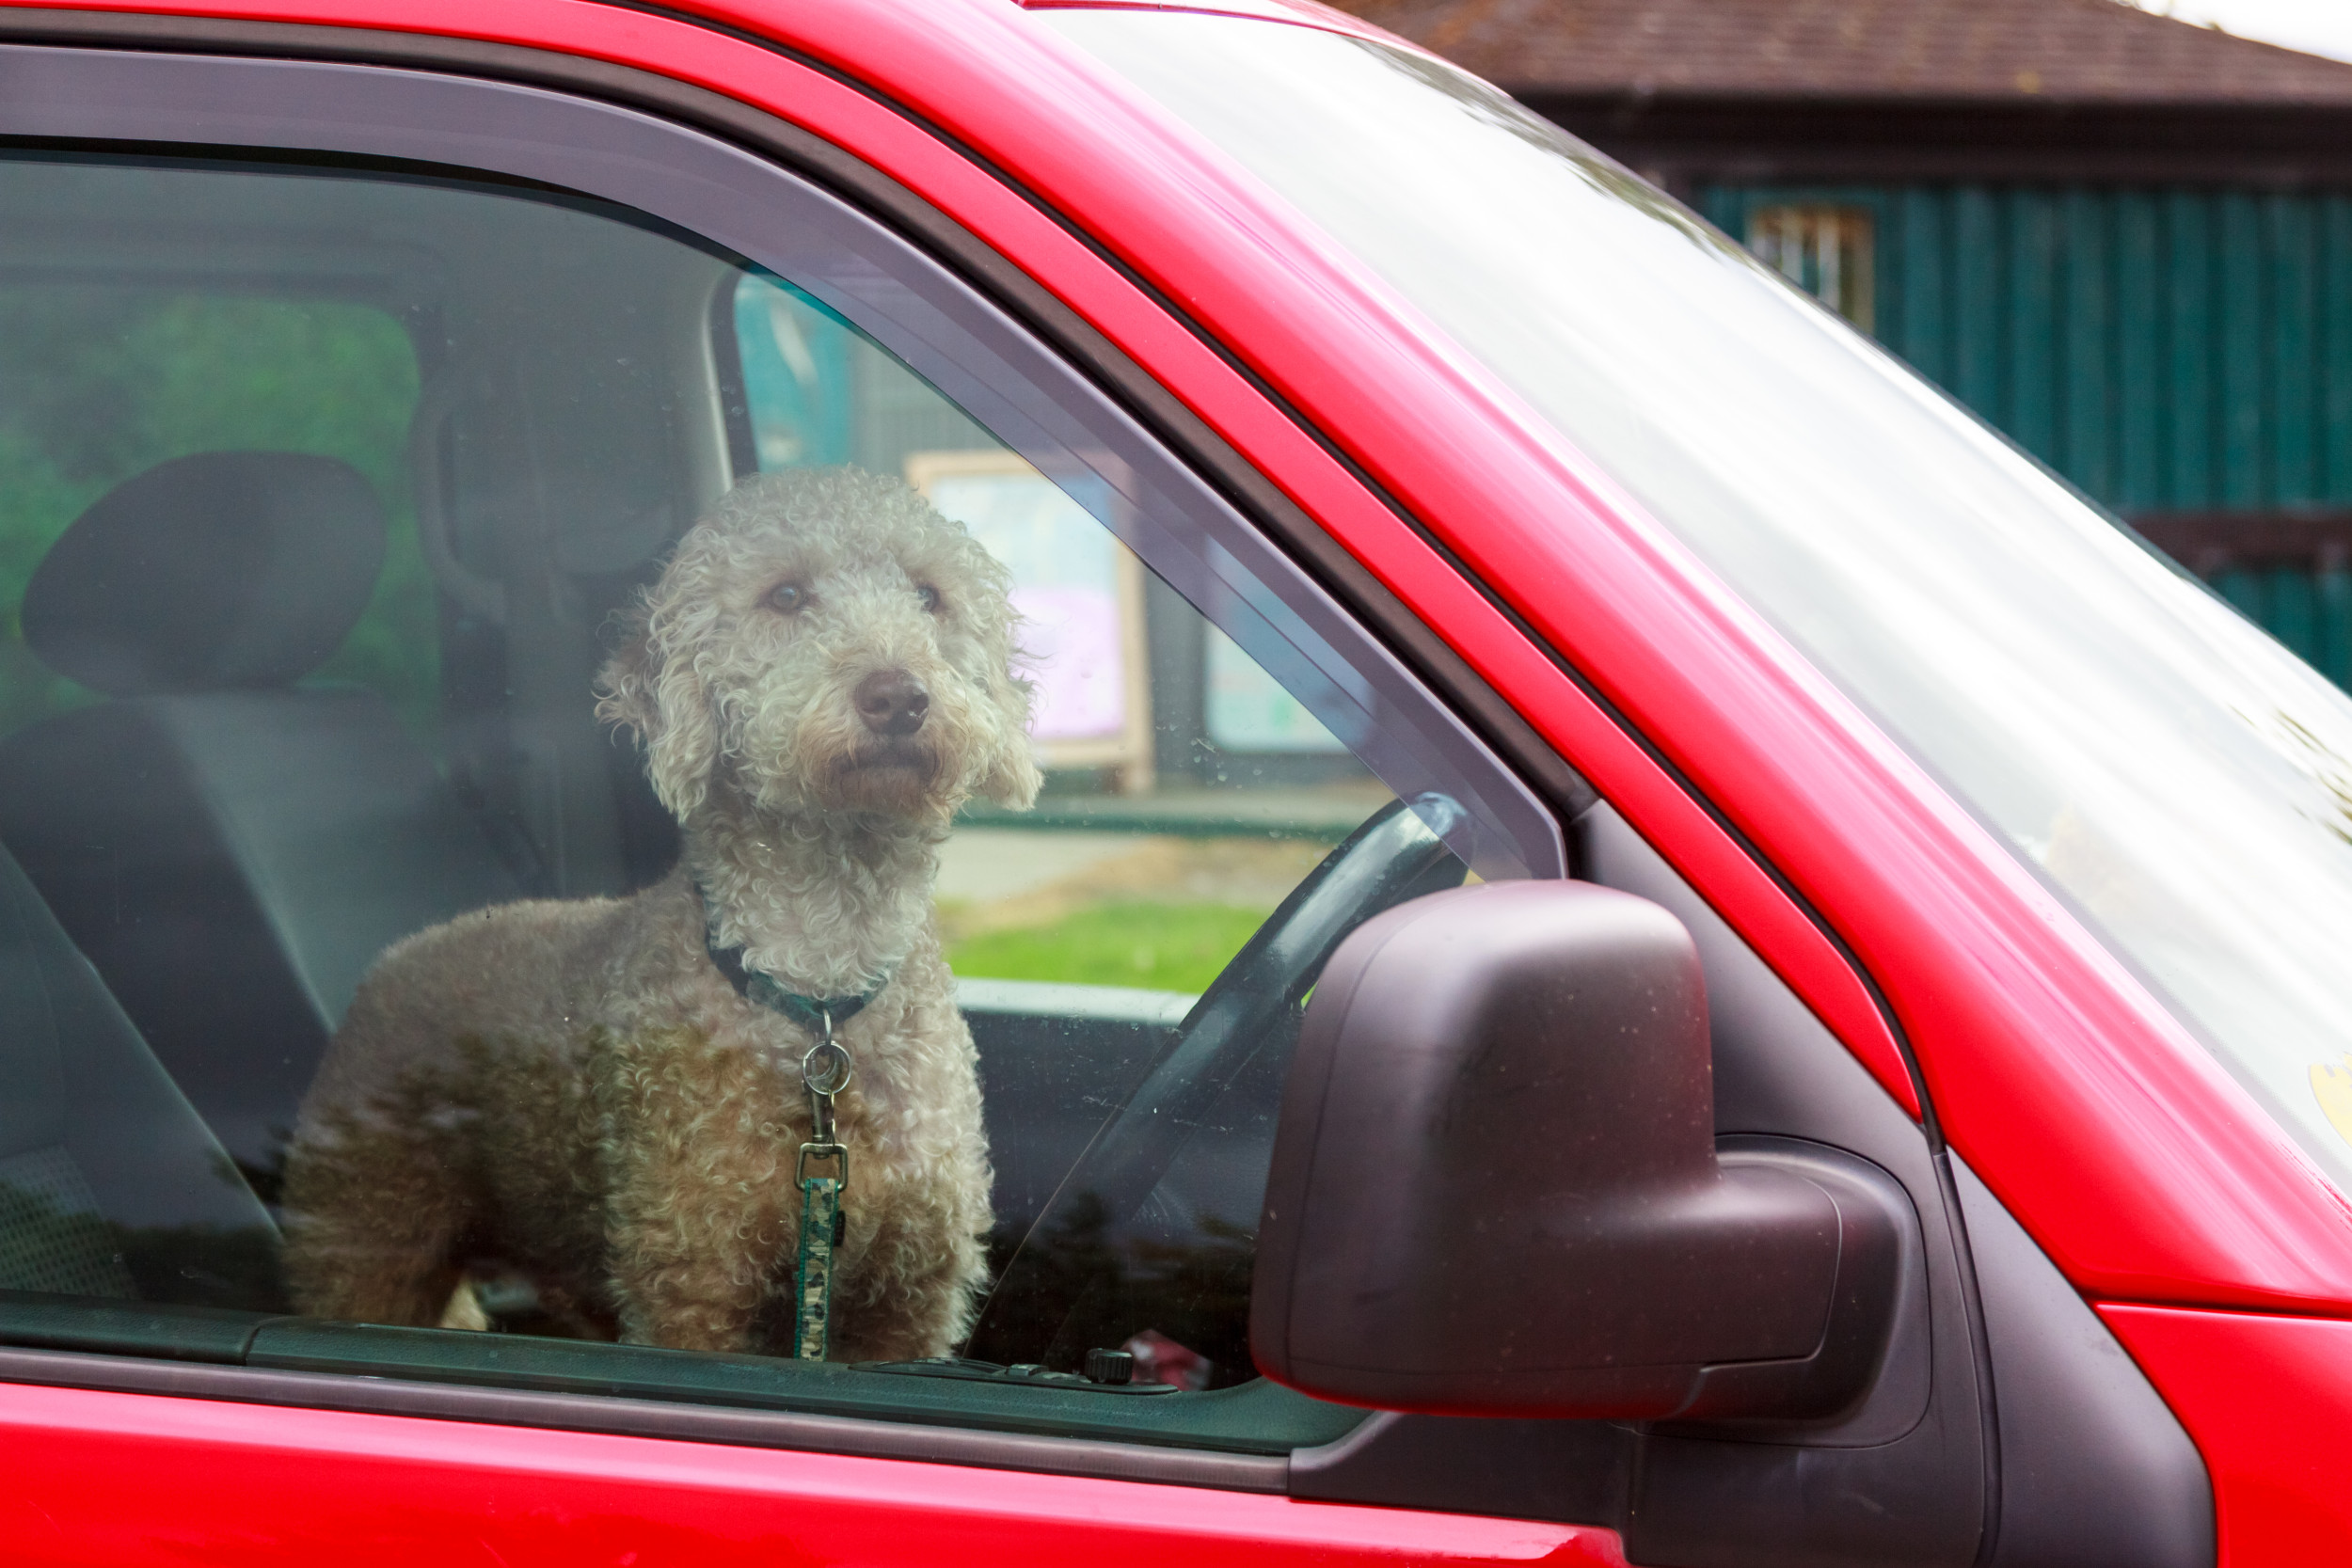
x: 826, y: 1070
x: 837, y: 1153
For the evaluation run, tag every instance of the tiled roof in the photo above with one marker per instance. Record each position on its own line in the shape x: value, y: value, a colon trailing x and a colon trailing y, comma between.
x: 2068, y: 51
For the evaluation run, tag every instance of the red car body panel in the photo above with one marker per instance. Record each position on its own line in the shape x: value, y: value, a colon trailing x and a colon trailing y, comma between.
x: 132, y: 1479
x: 2268, y: 1402
x: 1303, y: 12
x: 2117, y: 1140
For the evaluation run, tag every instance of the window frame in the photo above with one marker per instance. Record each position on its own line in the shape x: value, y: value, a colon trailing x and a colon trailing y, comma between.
x: 309, y: 108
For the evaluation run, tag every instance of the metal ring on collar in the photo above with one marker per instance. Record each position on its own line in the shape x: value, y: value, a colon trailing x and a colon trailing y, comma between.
x: 826, y: 1069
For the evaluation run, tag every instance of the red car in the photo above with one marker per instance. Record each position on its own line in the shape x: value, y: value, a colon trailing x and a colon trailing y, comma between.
x: 1643, y: 945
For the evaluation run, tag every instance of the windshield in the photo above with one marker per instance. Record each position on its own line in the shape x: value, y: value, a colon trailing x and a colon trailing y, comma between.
x: 2183, y: 777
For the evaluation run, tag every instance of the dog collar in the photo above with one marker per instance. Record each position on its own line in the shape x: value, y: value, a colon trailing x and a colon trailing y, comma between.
x: 812, y: 1012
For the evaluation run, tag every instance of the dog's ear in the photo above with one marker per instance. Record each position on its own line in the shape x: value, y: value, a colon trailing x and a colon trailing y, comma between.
x: 1011, y: 778
x: 645, y: 688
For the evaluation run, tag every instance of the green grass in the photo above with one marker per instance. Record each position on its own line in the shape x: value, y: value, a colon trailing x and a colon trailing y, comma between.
x: 1155, y: 946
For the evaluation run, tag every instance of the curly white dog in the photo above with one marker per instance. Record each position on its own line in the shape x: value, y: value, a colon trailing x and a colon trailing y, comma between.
x: 605, y: 1095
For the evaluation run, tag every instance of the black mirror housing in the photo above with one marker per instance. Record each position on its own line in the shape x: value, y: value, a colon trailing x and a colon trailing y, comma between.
x: 1494, y: 1188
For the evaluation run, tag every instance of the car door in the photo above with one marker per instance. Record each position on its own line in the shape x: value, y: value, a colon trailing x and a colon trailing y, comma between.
x: 572, y: 326
x: 332, y: 457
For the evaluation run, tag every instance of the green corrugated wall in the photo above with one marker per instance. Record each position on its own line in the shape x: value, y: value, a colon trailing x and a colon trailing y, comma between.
x: 2167, y: 349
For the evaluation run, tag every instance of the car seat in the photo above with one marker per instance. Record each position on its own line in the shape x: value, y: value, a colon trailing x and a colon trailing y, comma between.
x: 109, y: 1185
x: 229, y: 849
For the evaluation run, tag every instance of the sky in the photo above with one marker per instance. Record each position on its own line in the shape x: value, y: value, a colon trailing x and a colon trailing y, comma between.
x: 2317, y: 26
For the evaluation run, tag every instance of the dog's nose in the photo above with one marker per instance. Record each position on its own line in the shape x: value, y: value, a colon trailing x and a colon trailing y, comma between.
x: 891, y: 702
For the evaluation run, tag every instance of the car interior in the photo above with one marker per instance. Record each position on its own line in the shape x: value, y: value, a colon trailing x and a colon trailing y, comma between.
x: 230, y: 849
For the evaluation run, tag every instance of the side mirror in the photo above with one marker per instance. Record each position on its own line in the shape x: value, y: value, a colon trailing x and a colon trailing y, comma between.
x: 1494, y: 1188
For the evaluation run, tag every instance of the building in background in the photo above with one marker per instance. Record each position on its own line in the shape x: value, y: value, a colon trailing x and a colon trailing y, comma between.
x: 2124, y: 240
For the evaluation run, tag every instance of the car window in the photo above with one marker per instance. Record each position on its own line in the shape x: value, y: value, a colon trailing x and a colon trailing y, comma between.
x: 623, y: 798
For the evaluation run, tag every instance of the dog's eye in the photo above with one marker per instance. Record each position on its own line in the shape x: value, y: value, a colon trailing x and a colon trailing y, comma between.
x: 928, y: 597
x: 788, y: 597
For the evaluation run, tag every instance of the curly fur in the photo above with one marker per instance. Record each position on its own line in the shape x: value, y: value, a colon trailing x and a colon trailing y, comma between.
x: 572, y: 1089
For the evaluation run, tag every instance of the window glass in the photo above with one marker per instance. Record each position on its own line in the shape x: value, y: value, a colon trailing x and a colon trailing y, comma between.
x: 541, y: 684
x: 2182, y: 778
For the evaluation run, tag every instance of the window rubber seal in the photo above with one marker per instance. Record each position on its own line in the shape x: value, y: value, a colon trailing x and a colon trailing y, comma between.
x: 922, y: 1441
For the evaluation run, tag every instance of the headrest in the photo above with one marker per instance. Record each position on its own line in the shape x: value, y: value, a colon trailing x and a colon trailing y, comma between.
x: 223, y: 571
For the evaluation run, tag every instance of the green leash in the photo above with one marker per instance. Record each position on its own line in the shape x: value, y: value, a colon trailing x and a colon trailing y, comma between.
x: 826, y: 1071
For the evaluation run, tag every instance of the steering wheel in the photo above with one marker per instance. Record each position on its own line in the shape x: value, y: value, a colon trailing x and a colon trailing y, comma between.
x: 1398, y: 854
